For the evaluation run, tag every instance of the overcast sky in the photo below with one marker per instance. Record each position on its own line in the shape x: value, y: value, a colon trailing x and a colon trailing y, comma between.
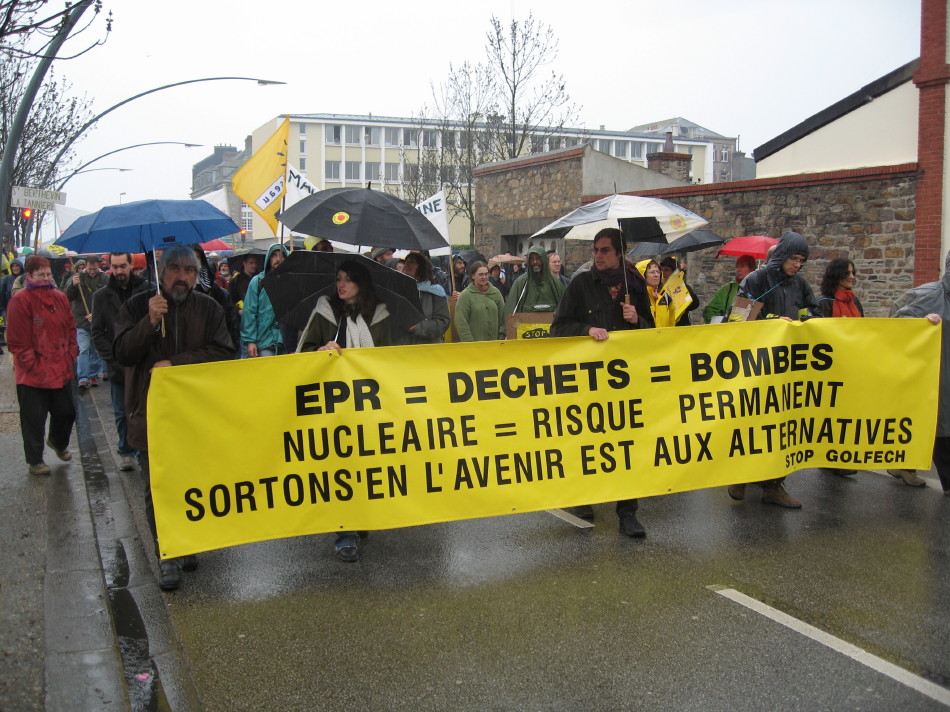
x: 746, y: 68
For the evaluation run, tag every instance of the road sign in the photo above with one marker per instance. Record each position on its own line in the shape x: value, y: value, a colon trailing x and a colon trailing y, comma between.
x: 36, y: 198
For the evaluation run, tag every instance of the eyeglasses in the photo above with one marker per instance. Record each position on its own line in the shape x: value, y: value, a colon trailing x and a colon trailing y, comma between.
x: 602, y: 250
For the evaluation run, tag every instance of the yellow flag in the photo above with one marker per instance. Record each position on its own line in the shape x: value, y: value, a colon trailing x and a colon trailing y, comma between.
x: 260, y: 181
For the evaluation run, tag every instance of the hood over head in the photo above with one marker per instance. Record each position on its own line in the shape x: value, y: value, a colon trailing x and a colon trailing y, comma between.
x: 789, y: 244
x: 270, y: 251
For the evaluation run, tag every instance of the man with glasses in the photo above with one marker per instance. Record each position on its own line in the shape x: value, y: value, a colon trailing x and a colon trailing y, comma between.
x: 611, y: 296
x: 172, y: 327
x: 784, y: 294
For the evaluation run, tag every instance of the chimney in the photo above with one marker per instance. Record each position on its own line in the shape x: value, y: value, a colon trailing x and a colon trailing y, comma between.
x: 668, y: 144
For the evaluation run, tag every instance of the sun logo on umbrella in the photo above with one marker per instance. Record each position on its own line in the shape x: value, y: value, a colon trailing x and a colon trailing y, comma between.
x: 340, y: 218
x: 677, y: 222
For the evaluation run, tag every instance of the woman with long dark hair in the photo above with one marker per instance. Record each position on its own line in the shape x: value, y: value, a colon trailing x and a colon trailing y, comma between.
x: 837, y: 290
x: 352, y: 317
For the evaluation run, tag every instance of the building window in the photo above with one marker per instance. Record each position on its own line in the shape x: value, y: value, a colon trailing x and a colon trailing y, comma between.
x: 410, y: 172
x: 353, y: 170
x: 372, y: 170
x: 430, y: 174
x: 332, y: 171
x: 571, y: 141
x: 334, y: 133
x: 430, y: 138
x: 392, y: 172
x: 353, y: 135
x: 247, y: 218
x: 537, y: 144
x: 636, y: 149
x: 410, y: 138
x: 603, y: 145
x: 303, y: 163
x: 371, y: 135
x: 725, y: 155
x: 448, y: 139
x: 303, y: 147
x: 392, y: 136
x: 555, y: 142
x: 303, y: 130
x: 620, y: 149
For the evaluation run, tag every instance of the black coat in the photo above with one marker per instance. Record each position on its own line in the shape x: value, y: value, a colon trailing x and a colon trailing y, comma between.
x: 587, y: 303
x: 106, y: 303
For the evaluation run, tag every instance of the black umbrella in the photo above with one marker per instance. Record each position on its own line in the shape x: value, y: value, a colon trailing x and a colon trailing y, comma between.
x: 690, y: 242
x: 360, y: 216
x: 296, y: 284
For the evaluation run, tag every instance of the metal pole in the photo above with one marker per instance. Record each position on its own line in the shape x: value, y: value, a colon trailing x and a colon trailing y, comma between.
x: 26, y: 103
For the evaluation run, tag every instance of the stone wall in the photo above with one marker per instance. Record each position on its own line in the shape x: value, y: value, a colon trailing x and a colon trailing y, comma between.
x: 522, y: 201
x: 866, y: 215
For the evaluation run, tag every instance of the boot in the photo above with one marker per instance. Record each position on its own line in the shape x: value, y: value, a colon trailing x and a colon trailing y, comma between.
x: 737, y: 492
x: 776, y: 494
x: 630, y: 526
x: 908, y: 477
x: 169, y: 574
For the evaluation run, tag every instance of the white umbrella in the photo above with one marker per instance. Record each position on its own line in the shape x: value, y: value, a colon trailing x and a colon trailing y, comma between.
x: 639, y: 219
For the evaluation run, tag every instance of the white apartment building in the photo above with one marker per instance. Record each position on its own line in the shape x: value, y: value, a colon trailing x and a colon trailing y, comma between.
x: 336, y: 150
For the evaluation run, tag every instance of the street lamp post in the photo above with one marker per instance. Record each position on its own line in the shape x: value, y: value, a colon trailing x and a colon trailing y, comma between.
x: 6, y: 167
x: 83, y: 169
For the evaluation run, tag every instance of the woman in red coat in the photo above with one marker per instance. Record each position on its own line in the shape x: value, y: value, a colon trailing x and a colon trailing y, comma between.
x: 41, y: 335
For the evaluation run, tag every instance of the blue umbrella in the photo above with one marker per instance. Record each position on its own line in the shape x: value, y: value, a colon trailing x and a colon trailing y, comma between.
x: 147, y: 225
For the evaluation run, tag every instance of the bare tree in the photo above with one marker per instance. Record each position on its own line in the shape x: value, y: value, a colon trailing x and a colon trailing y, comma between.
x: 37, y: 21
x: 533, y: 105
x: 422, y: 161
x: 464, y: 105
x: 54, y: 119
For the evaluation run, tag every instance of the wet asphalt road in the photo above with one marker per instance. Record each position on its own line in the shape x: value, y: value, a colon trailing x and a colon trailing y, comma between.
x: 528, y: 613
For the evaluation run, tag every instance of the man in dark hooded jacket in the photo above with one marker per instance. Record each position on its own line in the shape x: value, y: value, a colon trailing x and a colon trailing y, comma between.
x: 106, y: 303
x: 784, y: 295
x: 537, y: 290
x: 932, y: 301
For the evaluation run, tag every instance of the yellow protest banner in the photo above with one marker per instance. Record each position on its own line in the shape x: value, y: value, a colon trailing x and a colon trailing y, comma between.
x: 680, y: 297
x: 399, y: 436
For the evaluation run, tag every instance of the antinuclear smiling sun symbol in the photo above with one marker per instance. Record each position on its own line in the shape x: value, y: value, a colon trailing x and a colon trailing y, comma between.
x: 340, y: 218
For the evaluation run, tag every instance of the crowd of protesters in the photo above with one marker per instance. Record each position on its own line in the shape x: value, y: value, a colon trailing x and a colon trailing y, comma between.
x: 106, y: 321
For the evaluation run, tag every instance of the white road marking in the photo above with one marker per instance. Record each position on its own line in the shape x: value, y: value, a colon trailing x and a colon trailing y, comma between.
x: 570, y: 518
x: 915, y: 682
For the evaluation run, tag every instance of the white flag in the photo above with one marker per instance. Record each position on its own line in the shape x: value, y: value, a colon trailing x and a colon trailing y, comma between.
x: 435, y: 209
x: 298, y: 187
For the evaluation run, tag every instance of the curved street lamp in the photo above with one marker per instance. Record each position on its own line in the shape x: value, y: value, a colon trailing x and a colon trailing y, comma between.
x: 8, y: 155
x: 124, y: 148
x: 90, y: 170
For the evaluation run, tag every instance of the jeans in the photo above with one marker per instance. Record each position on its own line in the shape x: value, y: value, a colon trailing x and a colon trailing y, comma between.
x: 121, y: 424
x: 35, y: 405
x: 89, y: 364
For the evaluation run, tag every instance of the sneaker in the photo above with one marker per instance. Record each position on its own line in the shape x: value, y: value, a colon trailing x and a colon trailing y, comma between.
x: 93, y: 382
x: 169, y: 577
x: 40, y: 468
x: 126, y: 463
x: 776, y: 494
x: 630, y: 526
x: 908, y: 477
x: 64, y: 455
x: 737, y: 492
x: 347, y: 548
x: 84, y: 383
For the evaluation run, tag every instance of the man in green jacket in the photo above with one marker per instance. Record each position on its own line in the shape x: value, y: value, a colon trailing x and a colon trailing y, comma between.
x: 721, y: 303
x: 259, y: 329
x: 536, y: 290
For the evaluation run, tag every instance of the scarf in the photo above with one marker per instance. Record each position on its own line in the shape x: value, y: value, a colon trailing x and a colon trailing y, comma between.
x: 844, y: 303
x: 30, y: 284
x: 613, y: 278
x: 433, y: 289
x: 353, y: 332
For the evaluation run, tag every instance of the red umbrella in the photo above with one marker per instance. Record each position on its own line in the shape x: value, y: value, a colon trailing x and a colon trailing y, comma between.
x: 755, y: 245
x: 216, y: 244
